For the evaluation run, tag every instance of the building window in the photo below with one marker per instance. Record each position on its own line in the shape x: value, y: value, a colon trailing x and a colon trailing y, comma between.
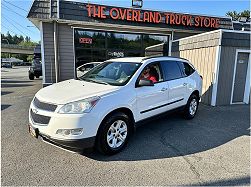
x: 89, y: 39
x: 155, y: 45
x: 96, y: 46
x: 123, y: 41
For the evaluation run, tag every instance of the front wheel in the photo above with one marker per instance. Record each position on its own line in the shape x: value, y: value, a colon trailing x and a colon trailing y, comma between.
x: 191, y: 107
x: 31, y: 76
x: 113, y: 134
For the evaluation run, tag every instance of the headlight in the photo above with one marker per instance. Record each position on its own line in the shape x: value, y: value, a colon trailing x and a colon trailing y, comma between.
x: 78, y: 107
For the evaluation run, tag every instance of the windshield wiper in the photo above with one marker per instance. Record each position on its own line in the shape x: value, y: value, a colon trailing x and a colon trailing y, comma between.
x: 91, y: 80
x: 101, y: 82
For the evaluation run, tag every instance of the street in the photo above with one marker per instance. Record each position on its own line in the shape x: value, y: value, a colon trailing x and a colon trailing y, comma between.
x: 212, y: 149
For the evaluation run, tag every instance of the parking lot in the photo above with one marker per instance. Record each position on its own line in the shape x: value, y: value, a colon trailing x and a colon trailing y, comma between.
x: 211, y: 149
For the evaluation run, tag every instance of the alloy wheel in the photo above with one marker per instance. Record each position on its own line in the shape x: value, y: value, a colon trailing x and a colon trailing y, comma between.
x: 116, y: 134
x: 193, y: 107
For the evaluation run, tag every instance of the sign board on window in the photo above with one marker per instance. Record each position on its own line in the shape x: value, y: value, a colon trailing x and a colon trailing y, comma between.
x: 85, y: 40
x: 117, y: 54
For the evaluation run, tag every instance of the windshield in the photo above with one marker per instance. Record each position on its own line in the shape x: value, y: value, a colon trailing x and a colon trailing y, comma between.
x: 112, y: 73
x: 36, y: 62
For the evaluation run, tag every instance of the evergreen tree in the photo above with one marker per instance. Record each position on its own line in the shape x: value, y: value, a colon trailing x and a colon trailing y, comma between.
x: 235, y: 15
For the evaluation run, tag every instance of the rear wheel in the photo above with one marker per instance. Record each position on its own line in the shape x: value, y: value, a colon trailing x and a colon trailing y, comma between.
x: 191, y: 107
x: 114, y: 133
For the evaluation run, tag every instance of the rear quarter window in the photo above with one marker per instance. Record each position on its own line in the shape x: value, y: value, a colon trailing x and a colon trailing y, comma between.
x: 188, y: 70
x: 171, y: 70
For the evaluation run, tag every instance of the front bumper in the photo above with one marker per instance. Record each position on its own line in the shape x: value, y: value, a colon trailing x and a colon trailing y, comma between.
x: 46, y: 123
x: 36, y: 72
x: 70, y: 144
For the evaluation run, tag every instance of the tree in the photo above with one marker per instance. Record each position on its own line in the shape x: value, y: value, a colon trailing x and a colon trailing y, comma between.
x: 29, y: 58
x: 9, y: 38
x: 27, y: 39
x: 21, y: 38
x: 245, y: 13
x: 235, y: 15
x: 15, y: 39
x: 18, y: 40
x: 27, y: 44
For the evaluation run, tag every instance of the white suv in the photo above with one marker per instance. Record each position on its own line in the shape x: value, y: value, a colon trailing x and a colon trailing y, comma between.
x: 103, y: 107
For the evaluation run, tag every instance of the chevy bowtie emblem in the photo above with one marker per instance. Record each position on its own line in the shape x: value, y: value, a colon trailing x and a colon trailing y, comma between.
x: 35, y: 110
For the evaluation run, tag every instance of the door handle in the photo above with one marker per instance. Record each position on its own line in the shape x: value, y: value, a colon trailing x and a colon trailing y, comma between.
x: 163, y: 89
x: 185, y: 84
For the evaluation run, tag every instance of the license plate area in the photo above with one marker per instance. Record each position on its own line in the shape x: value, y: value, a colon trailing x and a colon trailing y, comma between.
x: 33, y: 131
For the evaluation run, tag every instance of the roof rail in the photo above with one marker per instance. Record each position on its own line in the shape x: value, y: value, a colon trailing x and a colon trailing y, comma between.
x: 150, y: 57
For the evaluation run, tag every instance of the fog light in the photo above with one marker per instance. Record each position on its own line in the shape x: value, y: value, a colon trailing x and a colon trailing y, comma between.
x: 67, y: 132
x: 76, y: 131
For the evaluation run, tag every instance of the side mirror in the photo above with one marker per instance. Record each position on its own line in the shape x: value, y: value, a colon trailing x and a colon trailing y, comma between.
x: 145, y: 82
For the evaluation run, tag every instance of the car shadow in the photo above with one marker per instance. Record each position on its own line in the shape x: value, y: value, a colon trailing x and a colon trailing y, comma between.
x: 14, y: 81
x: 173, y: 136
x: 7, y: 85
x: 3, y: 107
x: 243, y: 181
x: 5, y: 92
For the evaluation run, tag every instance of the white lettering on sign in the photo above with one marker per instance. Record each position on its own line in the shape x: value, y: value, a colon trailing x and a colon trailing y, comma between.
x: 116, y: 54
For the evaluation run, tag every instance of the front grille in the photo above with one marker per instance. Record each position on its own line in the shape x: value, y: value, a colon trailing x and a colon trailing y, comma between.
x: 36, y: 118
x: 44, y: 106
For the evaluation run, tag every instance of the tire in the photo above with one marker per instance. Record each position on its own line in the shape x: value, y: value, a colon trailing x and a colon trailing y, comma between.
x: 31, y: 76
x: 118, y: 127
x: 37, y: 76
x: 191, y: 107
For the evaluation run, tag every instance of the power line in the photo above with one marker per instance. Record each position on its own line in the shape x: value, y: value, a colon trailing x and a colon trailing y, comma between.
x: 8, y: 29
x: 19, y: 24
x: 16, y: 27
x: 15, y: 6
x: 9, y: 9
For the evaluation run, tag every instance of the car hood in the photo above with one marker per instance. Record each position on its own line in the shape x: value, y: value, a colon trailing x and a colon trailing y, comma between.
x: 72, y: 90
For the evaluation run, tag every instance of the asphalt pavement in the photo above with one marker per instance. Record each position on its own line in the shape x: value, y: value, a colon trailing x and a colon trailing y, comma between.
x: 212, y: 149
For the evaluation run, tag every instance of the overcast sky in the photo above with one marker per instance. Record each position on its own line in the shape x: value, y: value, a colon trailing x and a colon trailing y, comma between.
x: 13, y: 13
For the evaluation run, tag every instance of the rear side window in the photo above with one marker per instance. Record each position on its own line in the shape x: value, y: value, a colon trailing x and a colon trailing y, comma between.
x: 188, y: 70
x: 171, y: 70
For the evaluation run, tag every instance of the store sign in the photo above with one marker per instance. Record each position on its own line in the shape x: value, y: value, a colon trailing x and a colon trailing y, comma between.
x: 136, y: 15
x: 85, y: 40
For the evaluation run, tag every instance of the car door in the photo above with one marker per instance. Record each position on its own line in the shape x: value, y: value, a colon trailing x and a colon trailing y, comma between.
x: 176, y: 83
x: 151, y: 100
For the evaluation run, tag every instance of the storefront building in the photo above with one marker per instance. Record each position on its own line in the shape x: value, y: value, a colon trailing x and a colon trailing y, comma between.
x: 74, y: 33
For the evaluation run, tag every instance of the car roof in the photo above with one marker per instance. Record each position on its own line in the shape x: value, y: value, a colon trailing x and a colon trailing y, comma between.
x: 144, y: 59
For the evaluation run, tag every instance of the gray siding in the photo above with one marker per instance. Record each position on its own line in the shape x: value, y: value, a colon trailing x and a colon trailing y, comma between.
x: 66, y: 52
x: 230, y: 43
x: 241, y: 40
x: 48, y: 52
x: 200, y: 50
